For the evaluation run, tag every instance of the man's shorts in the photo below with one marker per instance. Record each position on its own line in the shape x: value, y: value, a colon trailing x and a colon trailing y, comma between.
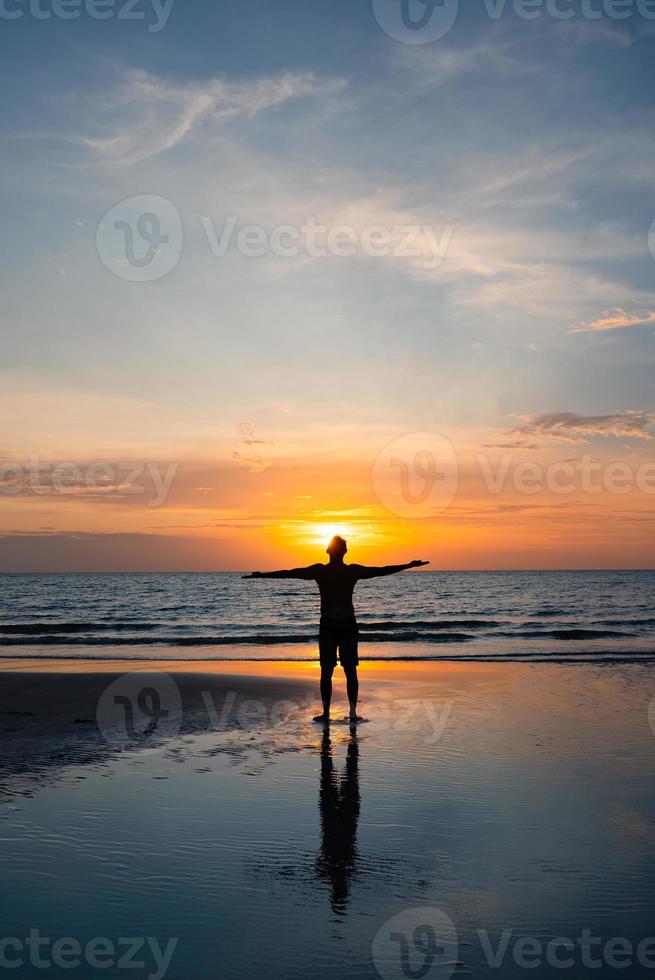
x: 342, y: 636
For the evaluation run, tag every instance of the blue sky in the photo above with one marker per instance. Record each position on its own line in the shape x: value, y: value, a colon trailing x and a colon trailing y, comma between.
x: 531, y: 140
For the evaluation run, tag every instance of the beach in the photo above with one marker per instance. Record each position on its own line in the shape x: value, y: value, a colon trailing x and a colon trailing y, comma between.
x: 498, y: 805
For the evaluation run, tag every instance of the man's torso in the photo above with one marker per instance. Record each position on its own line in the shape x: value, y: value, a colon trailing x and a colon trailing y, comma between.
x: 336, y: 584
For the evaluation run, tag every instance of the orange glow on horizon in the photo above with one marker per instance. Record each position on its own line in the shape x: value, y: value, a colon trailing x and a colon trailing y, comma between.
x: 238, y: 519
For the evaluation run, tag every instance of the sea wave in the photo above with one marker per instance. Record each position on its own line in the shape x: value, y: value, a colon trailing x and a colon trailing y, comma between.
x: 92, y: 635
x: 266, y: 639
x: 31, y: 629
x: 574, y: 633
x: 569, y: 657
x: 433, y: 615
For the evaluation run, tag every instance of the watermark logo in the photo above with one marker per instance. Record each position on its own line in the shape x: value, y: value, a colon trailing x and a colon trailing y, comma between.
x: 416, y: 475
x: 416, y: 21
x: 417, y: 944
x: 141, y: 709
x: 140, y: 239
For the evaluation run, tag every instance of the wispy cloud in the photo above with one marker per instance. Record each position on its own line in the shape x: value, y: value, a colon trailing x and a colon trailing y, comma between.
x: 617, y: 319
x: 508, y: 444
x: 147, y: 115
x: 437, y: 66
x: 248, y: 450
x: 569, y: 427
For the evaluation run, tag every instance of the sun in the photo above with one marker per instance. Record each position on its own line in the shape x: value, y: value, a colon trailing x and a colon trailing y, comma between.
x: 322, y: 534
x: 318, y: 534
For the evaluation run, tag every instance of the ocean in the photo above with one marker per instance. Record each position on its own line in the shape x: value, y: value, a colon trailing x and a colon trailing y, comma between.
x: 567, y: 615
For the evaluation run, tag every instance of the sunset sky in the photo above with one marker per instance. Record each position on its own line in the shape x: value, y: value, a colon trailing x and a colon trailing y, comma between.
x: 268, y: 386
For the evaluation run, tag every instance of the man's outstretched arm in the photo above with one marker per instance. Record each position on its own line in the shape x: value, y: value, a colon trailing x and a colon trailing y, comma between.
x: 364, y: 571
x: 308, y: 573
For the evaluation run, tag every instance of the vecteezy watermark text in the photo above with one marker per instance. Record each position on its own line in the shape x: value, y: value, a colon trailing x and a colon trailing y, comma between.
x: 565, y: 477
x: 155, y: 15
x: 426, y: 21
x: 416, y: 716
x: 41, y: 478
x: 567, y: 9
x: 565, y: 952
x: 423, y: 942
x: 318, y: 240
x: 417, y: 475
x: 141, y: 239
x: 100, y: 953
x: 143, y: 709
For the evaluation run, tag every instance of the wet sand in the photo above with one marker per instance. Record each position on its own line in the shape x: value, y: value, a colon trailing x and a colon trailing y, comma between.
x: 505, y: 797
x: 49, y: 710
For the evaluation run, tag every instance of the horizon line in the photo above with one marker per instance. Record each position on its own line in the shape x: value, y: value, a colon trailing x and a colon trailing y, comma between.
x: 218, y: 571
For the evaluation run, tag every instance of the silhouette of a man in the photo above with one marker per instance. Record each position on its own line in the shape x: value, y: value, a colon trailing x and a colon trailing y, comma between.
x: 338, y: 630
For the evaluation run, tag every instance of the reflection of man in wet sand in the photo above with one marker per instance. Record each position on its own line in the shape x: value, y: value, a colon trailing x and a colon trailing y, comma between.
x: 338, y: 630
x: 338, y: 805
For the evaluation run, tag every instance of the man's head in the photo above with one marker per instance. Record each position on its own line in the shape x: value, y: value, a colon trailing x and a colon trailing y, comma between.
x: 337, y: 547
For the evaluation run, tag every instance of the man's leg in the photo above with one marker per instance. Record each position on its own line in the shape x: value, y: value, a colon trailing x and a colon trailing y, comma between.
x: 352, y: 685
x: 348, y: 651
x: 326, y: 689
x: 327, y: 648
